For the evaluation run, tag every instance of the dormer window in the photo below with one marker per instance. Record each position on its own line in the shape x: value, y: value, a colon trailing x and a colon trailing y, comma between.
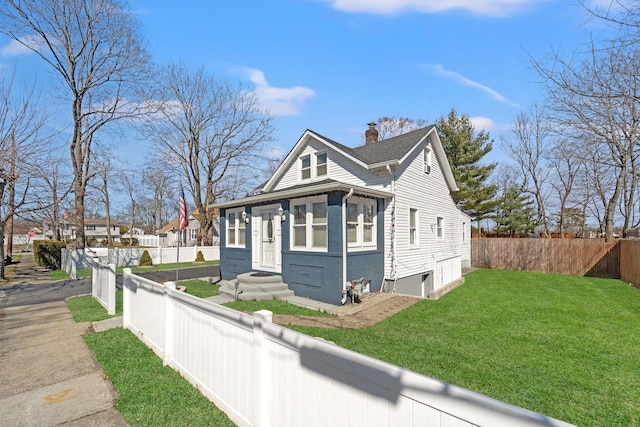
x: 321, y: 164
x: 427, y: 160
x: 305, y: 167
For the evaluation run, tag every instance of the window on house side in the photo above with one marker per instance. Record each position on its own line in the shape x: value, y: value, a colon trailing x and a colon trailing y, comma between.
x: 319, y: 225
x: 464, y: 226
x: 309, y: 225
x: 361, y: 223
x: 427, y: 160
x: 413, y: 231
x: 321, y: 164
x: 300, y: 225
x: 439, y: 227
x: 352, y: 223
x: 305, y: 167
x: 236, y: 229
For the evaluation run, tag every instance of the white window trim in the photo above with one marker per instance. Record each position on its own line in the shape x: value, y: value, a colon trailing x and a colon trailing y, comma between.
x: 440, y: 227
x: 302, y: 169
x: 308, y: 201
x: 427, y: 159
x: 237, y: 227
x: 360, y: 245
x: 313, y: 166
x: 416, y: 242
x: 326, y: 164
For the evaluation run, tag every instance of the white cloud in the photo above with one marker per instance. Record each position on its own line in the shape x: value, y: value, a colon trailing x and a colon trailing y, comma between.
x: 279, y: 101
x: 17, y: 48
x: 439, y: 69
x: 482, y: 123
x: 480, y: 7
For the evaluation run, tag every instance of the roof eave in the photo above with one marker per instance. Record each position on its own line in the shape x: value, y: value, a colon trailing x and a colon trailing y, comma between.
x: 299, y: 192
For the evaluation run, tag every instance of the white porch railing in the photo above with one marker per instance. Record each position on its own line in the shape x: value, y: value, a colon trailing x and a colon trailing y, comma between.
x: 262, y: 374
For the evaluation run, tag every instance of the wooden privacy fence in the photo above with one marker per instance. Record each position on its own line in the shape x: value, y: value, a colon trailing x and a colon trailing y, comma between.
x: 577, y: 257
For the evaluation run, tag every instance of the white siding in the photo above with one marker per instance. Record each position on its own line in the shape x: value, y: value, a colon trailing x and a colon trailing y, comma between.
x: 339, y: 168
x: 429, y: 194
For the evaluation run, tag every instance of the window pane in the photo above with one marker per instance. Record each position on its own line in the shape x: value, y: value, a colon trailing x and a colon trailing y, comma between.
x: 299, y: 236
x: 306, y: 162
x: 412, y: 218
x: 319, y: 213
x: 306, y: 173
x: 232, y: 235
x: 300, y: 214
x: 322, y: 170
x: 368, y: 214
x: 352, y: 233
x: 319, y: 236
x: 352, y: 212
x: 241, y: 236
x: 321, y: 158
x: 368, y: 234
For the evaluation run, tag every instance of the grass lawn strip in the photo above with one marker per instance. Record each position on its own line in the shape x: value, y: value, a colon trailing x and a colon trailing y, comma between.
x: 563, y: 346
x: 276, y: 307
x: 85, y: 308
x: 150, y: 394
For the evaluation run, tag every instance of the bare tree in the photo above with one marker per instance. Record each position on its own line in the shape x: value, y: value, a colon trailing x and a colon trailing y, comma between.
x: 596, y: 101
x: 566, y: 168
x: 129, y: 181
x: 389, y: 127
x: 21, y: 120
x: 103, y: 177
x: 56, y: 183
x: 95, y: 49
x: 208, y: 129
x: 527, y: 146
x: 159, y: 188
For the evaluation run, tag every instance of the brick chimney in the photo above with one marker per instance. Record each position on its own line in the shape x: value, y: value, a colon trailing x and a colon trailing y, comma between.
x: 371, y: 134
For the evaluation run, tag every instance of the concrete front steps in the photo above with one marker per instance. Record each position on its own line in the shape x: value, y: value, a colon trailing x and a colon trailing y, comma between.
x: 256, y: 286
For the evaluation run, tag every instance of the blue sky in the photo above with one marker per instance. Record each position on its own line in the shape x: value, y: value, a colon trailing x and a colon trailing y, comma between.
x: 335, y: 65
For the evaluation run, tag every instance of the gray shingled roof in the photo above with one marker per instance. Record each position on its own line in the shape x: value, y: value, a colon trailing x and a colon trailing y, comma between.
x: 383, y: 151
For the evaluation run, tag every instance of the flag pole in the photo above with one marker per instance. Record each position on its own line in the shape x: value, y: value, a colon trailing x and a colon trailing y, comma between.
x: 178, y: 254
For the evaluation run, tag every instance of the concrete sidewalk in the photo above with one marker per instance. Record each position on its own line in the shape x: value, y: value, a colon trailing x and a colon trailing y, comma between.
x: 48, y: 375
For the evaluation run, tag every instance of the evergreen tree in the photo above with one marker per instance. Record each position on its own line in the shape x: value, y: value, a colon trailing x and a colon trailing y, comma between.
x: 514, y: 213
x: 465, y: 150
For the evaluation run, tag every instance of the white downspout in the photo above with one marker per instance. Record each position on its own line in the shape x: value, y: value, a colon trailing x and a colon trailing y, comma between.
x: 392, y: 234
x: 344, y: 239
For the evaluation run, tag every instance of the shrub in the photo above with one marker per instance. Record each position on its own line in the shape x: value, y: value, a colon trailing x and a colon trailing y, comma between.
x: 145, y: 259
x: 47, y: 253
x: 199, y: 257
x: 127, y: 241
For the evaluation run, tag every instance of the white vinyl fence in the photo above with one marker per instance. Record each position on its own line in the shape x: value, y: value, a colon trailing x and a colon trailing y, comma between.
x: 262, y: 374
x: 123, y: 257
x: 103, y: 285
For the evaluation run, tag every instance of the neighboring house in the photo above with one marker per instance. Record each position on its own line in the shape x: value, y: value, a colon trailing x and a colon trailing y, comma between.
x: 94, y: 228
x: 168, y: 235
x: 331, y: 214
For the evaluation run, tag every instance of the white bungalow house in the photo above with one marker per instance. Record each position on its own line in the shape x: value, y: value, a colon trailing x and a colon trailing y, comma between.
x: 331, y: 214
x: 168, y: 235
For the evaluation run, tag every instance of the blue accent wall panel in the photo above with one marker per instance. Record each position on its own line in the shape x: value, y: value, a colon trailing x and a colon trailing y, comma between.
x: 233, y: 261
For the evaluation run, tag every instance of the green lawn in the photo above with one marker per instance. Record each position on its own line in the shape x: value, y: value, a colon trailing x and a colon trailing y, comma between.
x: 85, y: 308
x: 86, y: 272
x: 150, y: 394
x: 200, y: 288
x: 275, y: 306
x: 565, y: 346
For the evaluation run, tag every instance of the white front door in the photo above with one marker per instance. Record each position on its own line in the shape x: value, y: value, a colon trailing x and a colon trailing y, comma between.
x: 268, y: 252
x: 266, y: 239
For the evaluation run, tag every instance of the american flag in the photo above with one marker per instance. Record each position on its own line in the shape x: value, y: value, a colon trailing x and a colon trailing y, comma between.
x: 183, y: 222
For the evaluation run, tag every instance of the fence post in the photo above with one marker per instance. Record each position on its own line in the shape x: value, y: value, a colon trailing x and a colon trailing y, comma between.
x: 95, y: 272
x: 262, y: 392
x: 126, y: 295
x: 169, y: 319
x: 111, y: 304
